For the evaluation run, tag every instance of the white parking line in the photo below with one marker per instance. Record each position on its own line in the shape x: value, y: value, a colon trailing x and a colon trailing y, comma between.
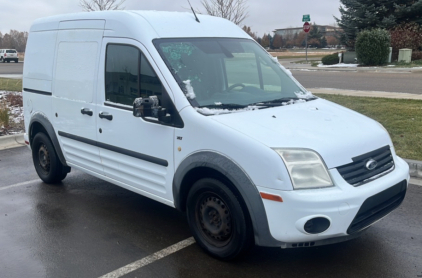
x: 150, y: 259
x: 19, y: 184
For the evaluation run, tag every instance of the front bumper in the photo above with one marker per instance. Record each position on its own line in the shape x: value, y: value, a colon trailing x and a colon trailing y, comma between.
x: 349, y: 209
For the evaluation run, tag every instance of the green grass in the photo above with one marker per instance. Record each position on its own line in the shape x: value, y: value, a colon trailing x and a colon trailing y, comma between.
x: 401, y: 117
x: 313, y: 63
x: 417, y: 63
x: 7, y: 84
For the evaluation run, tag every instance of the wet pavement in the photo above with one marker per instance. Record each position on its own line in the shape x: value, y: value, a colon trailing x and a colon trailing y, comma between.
x: 86, y: 227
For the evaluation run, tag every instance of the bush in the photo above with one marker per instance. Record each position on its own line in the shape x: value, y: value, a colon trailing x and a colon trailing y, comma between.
x: 330, y: 59
x: 407, y: 35
x: 372, y: 47
x: 4, y: 117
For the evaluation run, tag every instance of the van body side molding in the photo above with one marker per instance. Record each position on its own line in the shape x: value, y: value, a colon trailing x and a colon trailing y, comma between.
x: 141, y: 156
x: 249, y: 192
x: 38, y: 92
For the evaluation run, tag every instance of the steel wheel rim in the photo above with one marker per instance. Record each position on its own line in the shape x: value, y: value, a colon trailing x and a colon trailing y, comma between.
x: 44, y: 158
x: 214, y: 219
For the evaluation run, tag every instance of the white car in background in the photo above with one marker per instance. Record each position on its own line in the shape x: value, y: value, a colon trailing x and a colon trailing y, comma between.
x: 7, y: 55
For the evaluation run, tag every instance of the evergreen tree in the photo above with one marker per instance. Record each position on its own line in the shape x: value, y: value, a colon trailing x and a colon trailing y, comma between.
x: 358, y: 15
x: 265, y: 42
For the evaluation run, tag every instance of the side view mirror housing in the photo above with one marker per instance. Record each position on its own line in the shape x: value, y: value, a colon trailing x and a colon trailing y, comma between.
x: 148, y: 107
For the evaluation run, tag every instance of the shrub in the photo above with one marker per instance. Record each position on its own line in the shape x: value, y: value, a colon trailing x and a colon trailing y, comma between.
x: 372, y: 47
x: 407, y: 35
x: 330, y: 59
x: 4, y: 117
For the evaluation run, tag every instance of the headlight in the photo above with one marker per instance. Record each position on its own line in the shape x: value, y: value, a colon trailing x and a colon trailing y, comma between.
x: 306, y: 168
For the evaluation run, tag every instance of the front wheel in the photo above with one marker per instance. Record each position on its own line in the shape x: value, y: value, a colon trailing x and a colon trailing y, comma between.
x: 46, y: 162
x: 217, y: 220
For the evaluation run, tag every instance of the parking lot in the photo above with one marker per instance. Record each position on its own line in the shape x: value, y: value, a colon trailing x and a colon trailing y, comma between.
x: 86, y: 227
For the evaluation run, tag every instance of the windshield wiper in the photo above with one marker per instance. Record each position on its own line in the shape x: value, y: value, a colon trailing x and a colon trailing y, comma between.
x: 225, y: 106
x: 280, y: 101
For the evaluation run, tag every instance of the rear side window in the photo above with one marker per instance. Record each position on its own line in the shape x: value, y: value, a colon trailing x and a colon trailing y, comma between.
x: 10, y: 51
x: 128, y: 75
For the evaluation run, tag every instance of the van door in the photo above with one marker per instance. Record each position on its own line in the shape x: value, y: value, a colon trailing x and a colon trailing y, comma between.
x: 74, y: 86
x: 136, y: 152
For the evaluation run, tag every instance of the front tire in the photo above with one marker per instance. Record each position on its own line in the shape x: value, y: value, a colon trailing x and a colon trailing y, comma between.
x: 217, y: 220
x: 46, y: 162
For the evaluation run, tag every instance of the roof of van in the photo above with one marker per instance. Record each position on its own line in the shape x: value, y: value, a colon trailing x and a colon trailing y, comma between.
x: 153, y: 24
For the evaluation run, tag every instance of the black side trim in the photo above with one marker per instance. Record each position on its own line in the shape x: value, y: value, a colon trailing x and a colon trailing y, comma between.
x: 141, y: 156
x: 37, y: 92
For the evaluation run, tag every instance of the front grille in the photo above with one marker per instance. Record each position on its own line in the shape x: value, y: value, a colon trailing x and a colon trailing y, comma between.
x: 356, y: 173
x: 376, y: 207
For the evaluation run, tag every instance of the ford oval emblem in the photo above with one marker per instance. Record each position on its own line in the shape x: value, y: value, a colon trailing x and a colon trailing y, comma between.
x: 371, y: 164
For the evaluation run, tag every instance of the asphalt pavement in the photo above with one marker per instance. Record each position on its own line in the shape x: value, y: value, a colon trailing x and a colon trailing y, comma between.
x: 86, y: 227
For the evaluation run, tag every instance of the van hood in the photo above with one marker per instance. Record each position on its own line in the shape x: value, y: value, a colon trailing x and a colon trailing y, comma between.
x: 335, y: 132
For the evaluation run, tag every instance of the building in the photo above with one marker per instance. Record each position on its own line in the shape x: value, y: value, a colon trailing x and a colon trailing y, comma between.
x: 325, y: 30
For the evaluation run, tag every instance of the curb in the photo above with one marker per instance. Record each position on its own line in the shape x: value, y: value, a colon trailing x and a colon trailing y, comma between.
x: 415, y: 168
x: 11, y: 141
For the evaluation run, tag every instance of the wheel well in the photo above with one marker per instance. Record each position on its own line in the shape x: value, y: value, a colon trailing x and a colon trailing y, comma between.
x: 35, y: 128
x: 204, y: 172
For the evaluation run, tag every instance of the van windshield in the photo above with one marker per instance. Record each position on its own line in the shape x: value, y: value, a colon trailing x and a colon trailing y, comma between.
x: 227, y: 72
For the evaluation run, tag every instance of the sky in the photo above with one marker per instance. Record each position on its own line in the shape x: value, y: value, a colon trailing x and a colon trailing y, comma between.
x: 264, y: 15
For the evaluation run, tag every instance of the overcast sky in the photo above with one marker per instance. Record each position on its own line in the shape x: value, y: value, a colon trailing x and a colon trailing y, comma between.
x: 264, y: 15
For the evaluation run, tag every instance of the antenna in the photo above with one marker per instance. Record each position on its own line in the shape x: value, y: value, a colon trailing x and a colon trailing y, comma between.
x: 193, y: 12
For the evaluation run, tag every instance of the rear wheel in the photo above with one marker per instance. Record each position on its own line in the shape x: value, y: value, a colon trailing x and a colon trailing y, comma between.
x: 46, y: 162
x: 218, y: 222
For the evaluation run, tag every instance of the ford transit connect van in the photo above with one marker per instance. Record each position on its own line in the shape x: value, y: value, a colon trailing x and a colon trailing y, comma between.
x: 196, y: 115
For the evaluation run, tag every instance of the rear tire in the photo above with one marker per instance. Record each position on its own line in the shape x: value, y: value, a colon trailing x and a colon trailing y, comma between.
x: 217, y: 221
x: 46, y: 162
x: 8, y: 61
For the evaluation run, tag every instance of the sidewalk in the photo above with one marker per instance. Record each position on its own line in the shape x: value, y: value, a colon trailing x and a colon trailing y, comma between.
x: 289, y: 64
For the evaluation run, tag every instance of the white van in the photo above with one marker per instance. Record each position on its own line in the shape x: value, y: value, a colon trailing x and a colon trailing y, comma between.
x: 196, y: 115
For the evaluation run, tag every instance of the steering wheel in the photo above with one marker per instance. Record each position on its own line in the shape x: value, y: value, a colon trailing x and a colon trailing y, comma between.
x: 236, y: 85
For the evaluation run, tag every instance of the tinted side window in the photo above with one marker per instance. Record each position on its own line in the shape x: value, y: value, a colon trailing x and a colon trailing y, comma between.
x: 129, y: 75
x: 122, y: 74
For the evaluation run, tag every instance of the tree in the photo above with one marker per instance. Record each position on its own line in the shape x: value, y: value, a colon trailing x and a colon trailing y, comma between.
x: 358, y: 15
x: 248, y: 31
x: 265, y: 42
x: 101, y: 5
x: 233, y: 10
x: 278, y: 41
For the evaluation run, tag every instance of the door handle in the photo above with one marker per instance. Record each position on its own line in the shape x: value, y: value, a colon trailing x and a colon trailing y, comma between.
x: 105, y: 115
x: 86, y: 111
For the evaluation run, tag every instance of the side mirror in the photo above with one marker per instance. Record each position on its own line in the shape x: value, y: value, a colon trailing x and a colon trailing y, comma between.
x: 148, y: 107
x: 141, y: 107
x: 163, y: 116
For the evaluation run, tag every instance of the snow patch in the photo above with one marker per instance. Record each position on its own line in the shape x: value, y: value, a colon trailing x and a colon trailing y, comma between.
x: 190, y: 93
x: 341, y: 65
x: 304, y: 95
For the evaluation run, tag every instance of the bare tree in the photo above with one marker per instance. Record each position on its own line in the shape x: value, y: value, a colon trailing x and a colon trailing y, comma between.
x: 233, y: 10
x: 101, y: 5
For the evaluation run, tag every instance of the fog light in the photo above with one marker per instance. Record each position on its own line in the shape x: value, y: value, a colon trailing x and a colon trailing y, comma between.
x: 316, y: 225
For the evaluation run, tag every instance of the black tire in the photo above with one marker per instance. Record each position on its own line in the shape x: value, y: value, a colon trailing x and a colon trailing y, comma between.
x: 16, y: 61
x: 217, y: 221
x: 8, y: 61
x: 46, y: 162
